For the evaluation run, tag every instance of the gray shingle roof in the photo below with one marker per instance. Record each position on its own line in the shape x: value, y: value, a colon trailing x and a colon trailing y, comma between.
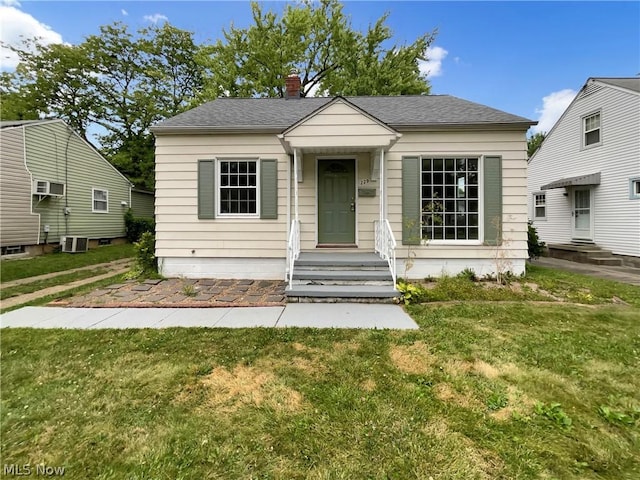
x: 396, y: 111
x: 630, y: 83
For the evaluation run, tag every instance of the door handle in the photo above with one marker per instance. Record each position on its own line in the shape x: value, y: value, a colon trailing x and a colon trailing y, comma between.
x: 353, y: 206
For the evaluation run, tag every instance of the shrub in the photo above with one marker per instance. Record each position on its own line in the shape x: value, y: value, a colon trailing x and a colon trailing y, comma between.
x: 411, y: 293
x: 469, y: 274
x: 536, y: 247
x: 135, y: 227
x: 145, y: 248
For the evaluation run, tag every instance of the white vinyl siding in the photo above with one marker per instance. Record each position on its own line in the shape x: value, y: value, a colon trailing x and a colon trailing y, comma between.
x: 616, y: 217
x: 179, y: 232
x: 100, y: 200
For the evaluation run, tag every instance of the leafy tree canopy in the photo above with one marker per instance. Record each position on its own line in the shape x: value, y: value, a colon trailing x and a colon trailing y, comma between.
x: 534, y: 142
x: 121, y: 82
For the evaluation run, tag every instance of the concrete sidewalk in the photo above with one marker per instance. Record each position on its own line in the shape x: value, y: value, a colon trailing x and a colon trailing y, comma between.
x: 314, y: 315
x: 622, y: 274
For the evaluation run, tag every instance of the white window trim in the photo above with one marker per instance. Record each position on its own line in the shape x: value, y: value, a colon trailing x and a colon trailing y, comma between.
x: 534, y: 195
x: 221, y: 215
x: 583, y: 130
x: 480, y: 240
x: 632, y: 191
x: 93, y: 200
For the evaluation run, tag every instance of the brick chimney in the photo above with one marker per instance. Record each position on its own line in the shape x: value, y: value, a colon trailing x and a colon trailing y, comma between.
x: 292, y: 85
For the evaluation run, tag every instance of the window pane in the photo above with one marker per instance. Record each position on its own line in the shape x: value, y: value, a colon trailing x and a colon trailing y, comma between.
x: 238, y: 187
x: 450, y: 201
x: 592, y: 137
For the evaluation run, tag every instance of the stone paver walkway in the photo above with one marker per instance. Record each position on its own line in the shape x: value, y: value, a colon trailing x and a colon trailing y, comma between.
x: 179, y: 292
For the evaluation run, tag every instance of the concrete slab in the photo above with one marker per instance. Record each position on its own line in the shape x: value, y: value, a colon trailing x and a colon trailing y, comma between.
x: 193, y: 317
x: 346, y: 315
x: 251, y: 317
x: 135, y: 318
x: 79, y: 317
x: 29, y: 316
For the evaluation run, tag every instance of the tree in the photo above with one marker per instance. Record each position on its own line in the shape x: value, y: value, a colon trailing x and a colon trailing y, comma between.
x: 316, y: 40
x: 118, y: 80
x: 534, y: 142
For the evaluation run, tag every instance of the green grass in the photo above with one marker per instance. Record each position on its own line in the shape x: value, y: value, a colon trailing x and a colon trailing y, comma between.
x: 57, y: 262
x: 68, y: 293
x: 61, y: 279
x: 496, y: 390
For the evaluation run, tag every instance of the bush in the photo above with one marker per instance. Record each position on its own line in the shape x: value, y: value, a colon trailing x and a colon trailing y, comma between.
x: 135, y: 227
x: 145, y: 248
x: 536, y: 247
x: 411, y: 293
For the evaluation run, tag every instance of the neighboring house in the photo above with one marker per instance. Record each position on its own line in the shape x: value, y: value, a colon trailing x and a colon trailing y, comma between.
x: 142, y: 203
x: 584, y: 180
x: 54, y: 184
x: 244, y: 185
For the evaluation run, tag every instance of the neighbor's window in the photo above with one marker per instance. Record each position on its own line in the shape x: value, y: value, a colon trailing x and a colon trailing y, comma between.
x: 591, y: 129
x: 634, y: 188
x: 100, y: 201
x: 449, y: 201
x: 539, y: 205
x: 238, y: 187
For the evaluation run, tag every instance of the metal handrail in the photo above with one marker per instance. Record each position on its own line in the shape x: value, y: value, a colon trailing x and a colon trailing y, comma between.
x: 386, y: 245
x: 293, y: 249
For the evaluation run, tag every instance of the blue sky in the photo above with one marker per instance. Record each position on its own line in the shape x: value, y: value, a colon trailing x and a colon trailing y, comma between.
x: 527, y: 58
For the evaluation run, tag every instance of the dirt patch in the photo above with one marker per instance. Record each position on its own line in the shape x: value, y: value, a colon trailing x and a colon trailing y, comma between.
x: 414, y: 359
x: 368, y: 385
x: 485, y: 369
x: 446, y: 393
x: 464, y: 456
x: 517, y: 402
x: 231, y: 390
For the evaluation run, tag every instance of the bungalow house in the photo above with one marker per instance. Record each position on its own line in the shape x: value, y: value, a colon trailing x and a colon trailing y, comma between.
x: 584, y: 180
x: 272, y: 188
x: 55, y: 186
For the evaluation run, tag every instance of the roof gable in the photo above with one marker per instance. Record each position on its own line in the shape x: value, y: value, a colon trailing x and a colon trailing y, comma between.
x: 341, y: 112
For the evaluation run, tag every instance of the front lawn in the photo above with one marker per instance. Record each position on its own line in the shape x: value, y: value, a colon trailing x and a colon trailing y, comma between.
x: 486, y: 390
x: 58, y: 262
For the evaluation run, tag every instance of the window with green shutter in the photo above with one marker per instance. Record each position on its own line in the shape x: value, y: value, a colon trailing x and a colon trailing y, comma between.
x: 238, y: 188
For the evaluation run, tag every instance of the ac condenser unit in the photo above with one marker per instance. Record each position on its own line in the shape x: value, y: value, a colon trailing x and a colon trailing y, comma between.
x: 75, y: 244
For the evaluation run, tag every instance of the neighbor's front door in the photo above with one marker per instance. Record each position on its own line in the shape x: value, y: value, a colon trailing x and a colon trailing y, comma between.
x: 582, y: 226
x: 336, y: 202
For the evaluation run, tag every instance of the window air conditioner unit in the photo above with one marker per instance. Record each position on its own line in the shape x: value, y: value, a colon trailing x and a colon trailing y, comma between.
x: 74, y: 244
x: 44, y: 187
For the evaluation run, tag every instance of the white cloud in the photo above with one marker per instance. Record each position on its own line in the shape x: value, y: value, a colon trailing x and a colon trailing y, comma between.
x: 432, y: 67
x: 155, y: 18
x: 553, y: 106
x: 124, y: 12
x: 17, y: 26
x: 10, y: 3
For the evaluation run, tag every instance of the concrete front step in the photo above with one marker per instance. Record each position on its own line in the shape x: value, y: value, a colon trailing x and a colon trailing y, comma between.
x: 341, y: 276
x: 342, y: 293
x: 605, y: 261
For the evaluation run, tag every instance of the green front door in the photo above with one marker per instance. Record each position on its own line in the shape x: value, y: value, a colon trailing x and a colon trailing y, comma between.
x: 336, y: 202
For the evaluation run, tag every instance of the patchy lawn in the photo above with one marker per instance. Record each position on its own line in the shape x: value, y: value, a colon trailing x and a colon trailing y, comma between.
x: 15, y: 269
x: 498, y: 390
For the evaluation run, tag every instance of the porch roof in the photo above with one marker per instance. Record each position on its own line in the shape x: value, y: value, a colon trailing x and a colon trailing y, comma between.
x: 590, y: 179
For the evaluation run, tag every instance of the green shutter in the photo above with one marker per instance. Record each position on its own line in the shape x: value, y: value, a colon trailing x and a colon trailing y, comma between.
x: 492, y: 201
x: 268, y: 189
x: 411, y: 232
x: 206, y: 189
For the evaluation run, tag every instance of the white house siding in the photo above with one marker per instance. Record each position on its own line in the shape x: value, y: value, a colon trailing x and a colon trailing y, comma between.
x: 616, y: 216
x: 339, y: 125
x: 18, y: 226
x: 55, y: 153
x: 435, y: 259
x: 233, y: 247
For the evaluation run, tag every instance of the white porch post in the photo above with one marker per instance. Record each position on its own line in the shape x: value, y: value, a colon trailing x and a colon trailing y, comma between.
x: 295, y: 182
x: 383, y: 214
